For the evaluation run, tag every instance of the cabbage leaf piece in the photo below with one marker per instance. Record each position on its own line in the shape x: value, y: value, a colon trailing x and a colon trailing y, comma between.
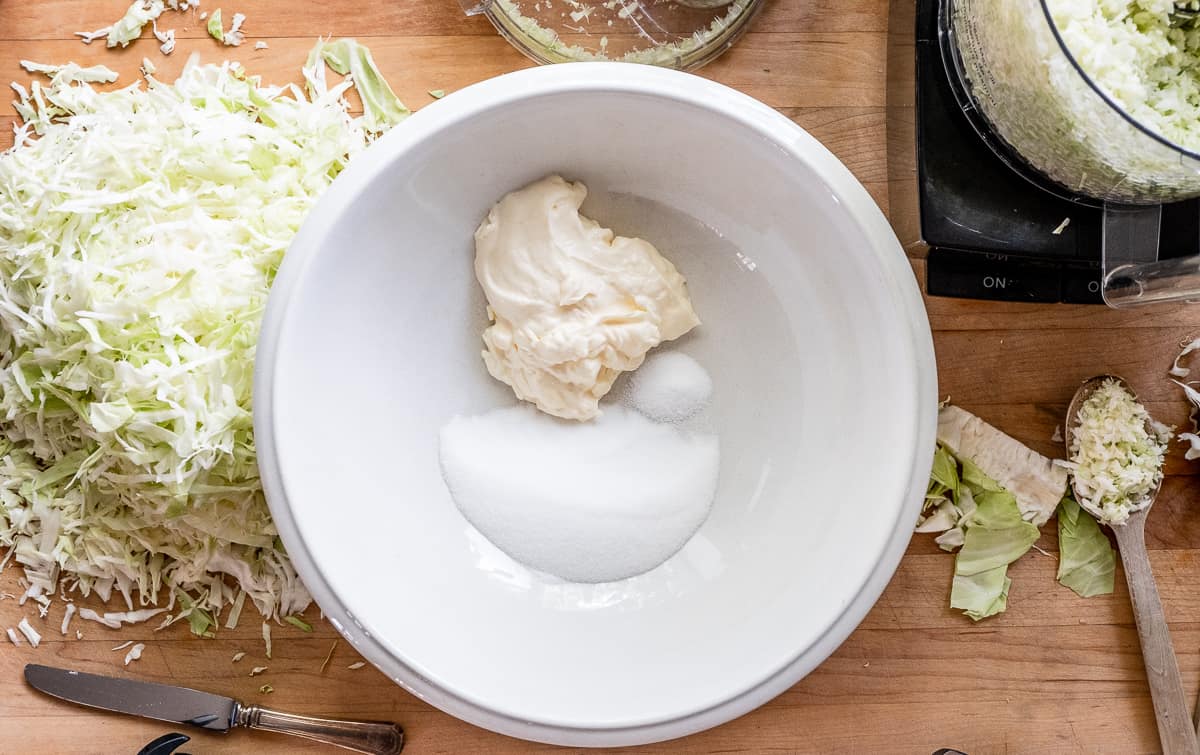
x: 996, y: 537
x: 129, y: 27
x: 381, y: 107
x: 1086, y: 559
x: 990, y: 527
x: 72, y: 72
x: 981, y: 595
x: 945, y: 471
x: 214, y: 27
x: 950, y: 498
x: 1036, y: 481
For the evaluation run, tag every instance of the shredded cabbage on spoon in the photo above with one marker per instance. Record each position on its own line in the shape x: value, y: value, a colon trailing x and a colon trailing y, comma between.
x: 140, y: 231
x: 1117, y: 453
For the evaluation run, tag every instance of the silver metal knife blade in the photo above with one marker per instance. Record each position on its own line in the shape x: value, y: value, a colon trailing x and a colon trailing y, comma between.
x: 162, y: 702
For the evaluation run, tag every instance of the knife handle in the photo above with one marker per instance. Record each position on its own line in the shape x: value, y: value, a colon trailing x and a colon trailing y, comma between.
x: 374, y: 737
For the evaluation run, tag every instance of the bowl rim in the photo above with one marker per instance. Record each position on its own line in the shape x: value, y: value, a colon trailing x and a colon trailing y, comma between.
x: 625, y: 78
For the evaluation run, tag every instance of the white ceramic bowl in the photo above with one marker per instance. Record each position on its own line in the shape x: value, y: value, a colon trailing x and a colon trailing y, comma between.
x: 814, y: 333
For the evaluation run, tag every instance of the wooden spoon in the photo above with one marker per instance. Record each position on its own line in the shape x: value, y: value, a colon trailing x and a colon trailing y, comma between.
x: 1175, y: 728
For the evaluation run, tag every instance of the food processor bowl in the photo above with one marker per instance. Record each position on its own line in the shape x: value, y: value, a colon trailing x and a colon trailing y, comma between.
x: 1026, y: 94
x: 1033, y: 93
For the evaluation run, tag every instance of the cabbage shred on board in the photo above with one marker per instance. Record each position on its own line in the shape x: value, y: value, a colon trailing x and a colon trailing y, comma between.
x: 140, y: 231
x: 1191, y: 390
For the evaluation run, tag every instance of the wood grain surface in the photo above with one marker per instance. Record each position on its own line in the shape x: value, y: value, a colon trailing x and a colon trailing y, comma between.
x: 1056, y: 673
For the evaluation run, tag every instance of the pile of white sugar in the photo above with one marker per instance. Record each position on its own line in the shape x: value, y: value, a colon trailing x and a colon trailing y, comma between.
x: 588, y: 502
x: 669, y: 386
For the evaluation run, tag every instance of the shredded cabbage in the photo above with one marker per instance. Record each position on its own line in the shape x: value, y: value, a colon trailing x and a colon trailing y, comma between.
x: 141, y: 13
x: 1144, y: 55
x: 1116, y: 454
x: 30, y: 633
x: 299, y: 623
x: 1190, y: 391
x: 139, y: 234
x: 235, y: 36
x: 134, y: 653
x: 114, y: 620
x: 662, y: 53
x: 68, y: 612
x: 129, y: 27
x: 167, y: 38
x: 345, y: 56
x: 72, y: 72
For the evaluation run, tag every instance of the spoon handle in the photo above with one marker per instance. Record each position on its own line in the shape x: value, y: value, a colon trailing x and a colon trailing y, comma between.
x: 1166, y: 687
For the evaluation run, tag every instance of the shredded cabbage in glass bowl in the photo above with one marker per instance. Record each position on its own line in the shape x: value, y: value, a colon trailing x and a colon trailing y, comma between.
x: 683, y: 34
x: 1101, y: 96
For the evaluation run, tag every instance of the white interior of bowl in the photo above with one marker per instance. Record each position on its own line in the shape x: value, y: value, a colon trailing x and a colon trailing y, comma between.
x: 823, y: 400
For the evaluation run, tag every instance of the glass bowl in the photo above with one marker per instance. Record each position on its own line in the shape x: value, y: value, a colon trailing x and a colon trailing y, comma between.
x: 682, y: 34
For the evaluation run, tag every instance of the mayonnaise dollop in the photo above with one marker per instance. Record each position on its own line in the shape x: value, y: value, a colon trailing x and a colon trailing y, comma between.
x: 572, y: 306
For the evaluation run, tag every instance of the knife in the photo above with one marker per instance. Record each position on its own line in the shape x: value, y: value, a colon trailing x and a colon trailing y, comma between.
x: 181, y: 705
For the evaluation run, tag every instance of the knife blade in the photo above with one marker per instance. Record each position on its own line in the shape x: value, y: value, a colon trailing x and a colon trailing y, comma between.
x: 162, y: 702
x: 181, y: 705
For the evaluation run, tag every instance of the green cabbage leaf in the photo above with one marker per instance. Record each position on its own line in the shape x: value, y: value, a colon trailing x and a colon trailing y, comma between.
x: 1086, y: 559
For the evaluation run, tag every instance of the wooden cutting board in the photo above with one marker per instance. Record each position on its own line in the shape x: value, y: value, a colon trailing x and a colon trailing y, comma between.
x: 1054, y: 674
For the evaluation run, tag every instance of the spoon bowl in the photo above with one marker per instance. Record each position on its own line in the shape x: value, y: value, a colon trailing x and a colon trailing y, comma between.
x: 1082, y: 394
x: 1162, y: 670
